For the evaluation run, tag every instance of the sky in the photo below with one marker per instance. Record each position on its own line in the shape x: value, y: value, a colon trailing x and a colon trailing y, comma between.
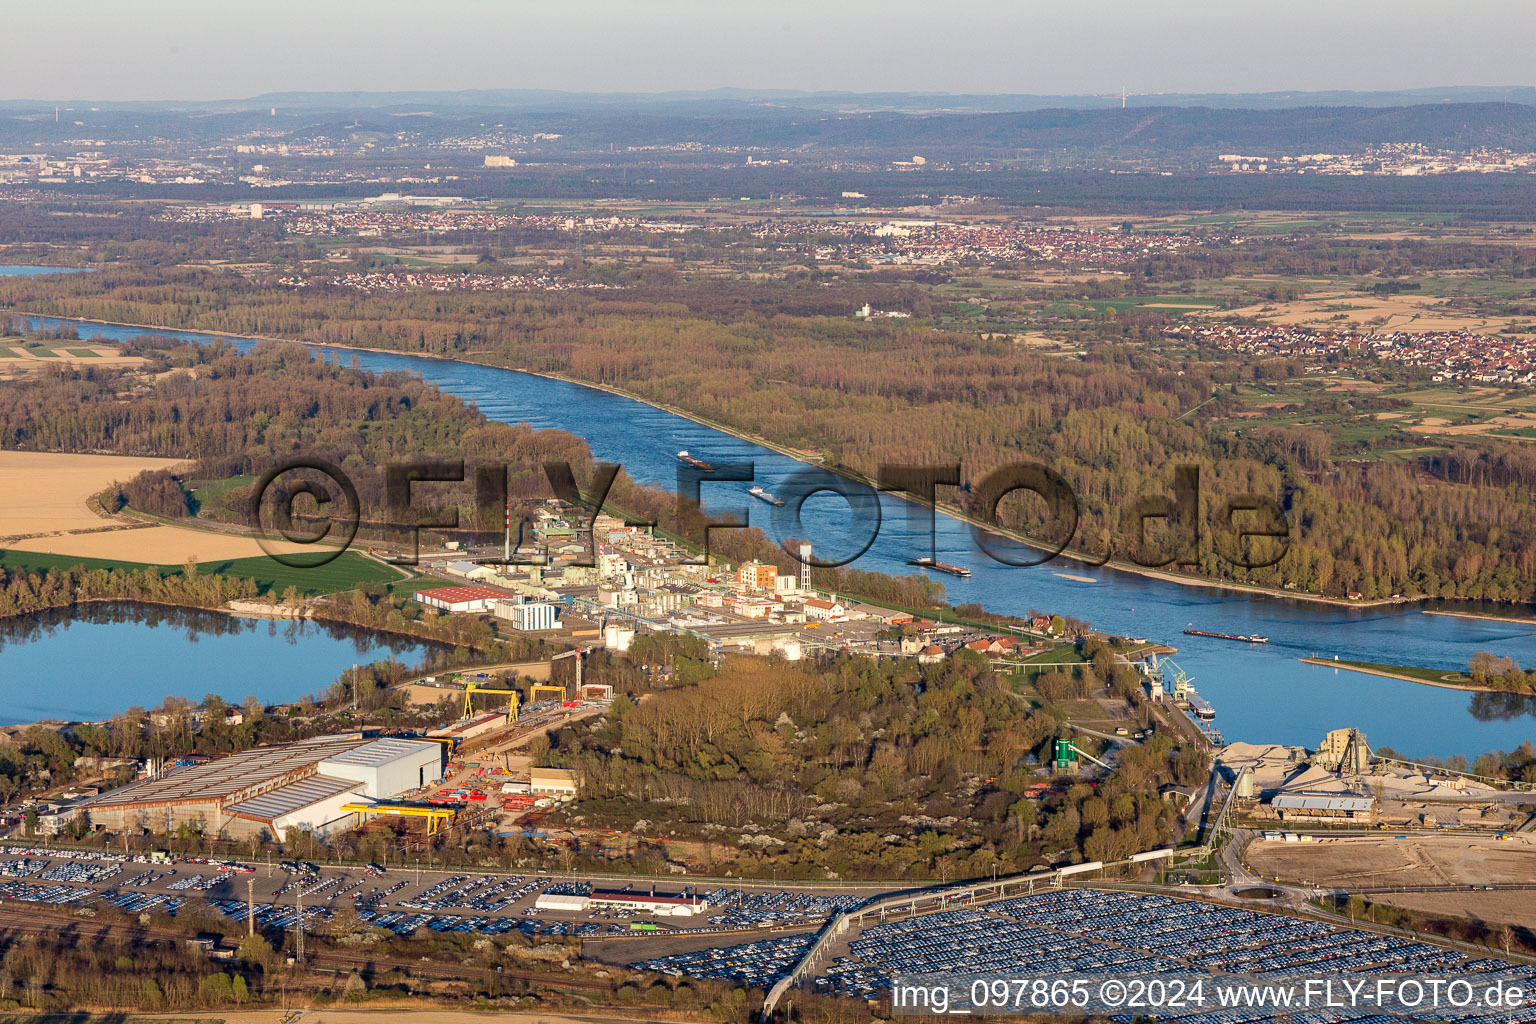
x: 223, y: 49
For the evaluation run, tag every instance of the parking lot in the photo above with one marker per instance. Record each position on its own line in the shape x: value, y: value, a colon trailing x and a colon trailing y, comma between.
x: 401, y: 900
x: 1097, y: 932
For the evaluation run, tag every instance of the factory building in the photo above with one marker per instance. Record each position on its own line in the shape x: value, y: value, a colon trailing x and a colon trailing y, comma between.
x: 552, y: 781
x: 459, y: 599
x: 529, y: 616
x: 388, y: 767
x: 267, y: 790
x: 1323, y: 806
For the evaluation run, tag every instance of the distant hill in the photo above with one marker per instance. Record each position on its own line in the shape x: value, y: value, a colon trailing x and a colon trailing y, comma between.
x: 608, y: 125
x: 769, y: 100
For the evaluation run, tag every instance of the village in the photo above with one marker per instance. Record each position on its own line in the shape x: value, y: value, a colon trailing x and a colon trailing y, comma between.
x: 1452, y: 355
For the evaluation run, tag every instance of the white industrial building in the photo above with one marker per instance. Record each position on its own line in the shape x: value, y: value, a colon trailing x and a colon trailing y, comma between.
x: 658, y: 904
x: 529, y: 616
x: 388, y: 767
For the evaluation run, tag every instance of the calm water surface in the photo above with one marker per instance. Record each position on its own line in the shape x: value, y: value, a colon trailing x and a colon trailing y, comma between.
x: 90, y: 662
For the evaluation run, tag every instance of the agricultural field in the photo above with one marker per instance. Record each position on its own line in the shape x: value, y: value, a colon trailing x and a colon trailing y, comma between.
x: 347, y: 571
x: 154, y: 545
x: 43, y: 492
x: 17, y: 358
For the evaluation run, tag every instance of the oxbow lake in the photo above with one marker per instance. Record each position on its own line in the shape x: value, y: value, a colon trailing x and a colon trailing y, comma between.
x: 1260, y: 693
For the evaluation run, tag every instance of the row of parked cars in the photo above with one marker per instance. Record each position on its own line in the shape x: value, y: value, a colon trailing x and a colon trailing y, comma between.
x: 749, y: 908
x: 1119, y: 933
x: 757, y: 964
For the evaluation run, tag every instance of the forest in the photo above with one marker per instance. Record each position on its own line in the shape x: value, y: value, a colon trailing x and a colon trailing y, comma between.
x: 863, y: 769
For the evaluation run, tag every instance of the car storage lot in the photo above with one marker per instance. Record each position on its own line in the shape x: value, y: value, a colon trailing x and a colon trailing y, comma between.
x: 400, y: 899
x: 1094, y: 932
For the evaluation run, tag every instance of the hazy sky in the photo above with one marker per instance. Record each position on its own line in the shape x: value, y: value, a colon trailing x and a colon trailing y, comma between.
x: 195, y: 49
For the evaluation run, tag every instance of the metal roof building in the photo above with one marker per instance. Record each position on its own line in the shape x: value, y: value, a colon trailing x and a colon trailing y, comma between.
x: 313, y: 804
x: 1323, y: 805
x: 269, y: 788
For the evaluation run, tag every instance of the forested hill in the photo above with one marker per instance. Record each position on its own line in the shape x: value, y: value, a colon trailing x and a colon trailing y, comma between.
x: 1135, y: 132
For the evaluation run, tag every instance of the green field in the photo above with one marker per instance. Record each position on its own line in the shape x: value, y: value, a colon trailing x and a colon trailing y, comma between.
x: 83, y: 353
x: 205, y: 491
x: 346, y: 572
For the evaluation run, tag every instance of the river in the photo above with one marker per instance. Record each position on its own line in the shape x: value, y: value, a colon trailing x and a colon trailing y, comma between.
x: 92, y: 661
x: 1261, y: 693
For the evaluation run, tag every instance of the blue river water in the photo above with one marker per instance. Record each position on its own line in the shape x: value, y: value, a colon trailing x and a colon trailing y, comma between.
x: 88, y: 663
x: 1261, y: 693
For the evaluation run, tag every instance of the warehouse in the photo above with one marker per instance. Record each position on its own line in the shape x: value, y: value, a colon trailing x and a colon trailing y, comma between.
x: 552, y: 781
x: 388, y: 767
x: 1323, y: 806
x: 658, y: 904
x: 460, y: 599
x: 269, y: 789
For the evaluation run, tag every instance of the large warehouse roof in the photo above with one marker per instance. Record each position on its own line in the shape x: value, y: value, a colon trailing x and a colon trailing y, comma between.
x: 292, y: 797
x: 382, y: 752
x: 230, y: 778
x: 1322, y: 802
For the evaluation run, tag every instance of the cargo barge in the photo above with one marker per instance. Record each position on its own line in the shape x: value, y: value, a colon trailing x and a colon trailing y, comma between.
x: 696, y: 463
x: 1247, y: 638
x: 762, y: 495
x: 929, y: 563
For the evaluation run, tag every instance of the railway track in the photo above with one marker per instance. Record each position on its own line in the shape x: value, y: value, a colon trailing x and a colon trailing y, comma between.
x: 27, y: 919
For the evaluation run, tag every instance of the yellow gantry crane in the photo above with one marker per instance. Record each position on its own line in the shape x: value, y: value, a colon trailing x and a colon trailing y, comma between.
x: 514, y: 699
x: 438, y: 818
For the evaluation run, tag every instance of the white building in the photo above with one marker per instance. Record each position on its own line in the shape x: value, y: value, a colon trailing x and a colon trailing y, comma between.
x: 529, y: 616
x: 388, y: 767
x: 470, y: 570
x: 552, y: 781
x: 828, y: 611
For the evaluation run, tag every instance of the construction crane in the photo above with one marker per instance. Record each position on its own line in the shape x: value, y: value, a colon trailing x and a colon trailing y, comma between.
x: 470, y: 689
x: 578, y: 653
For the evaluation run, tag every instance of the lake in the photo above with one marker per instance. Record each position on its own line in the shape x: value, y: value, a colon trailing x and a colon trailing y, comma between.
x: 92, y: 661
x: 21, y: 270
x: 1261, y: 693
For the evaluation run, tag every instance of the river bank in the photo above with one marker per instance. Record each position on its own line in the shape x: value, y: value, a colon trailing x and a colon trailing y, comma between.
x: 1482, y: 616
x: 800, y: 456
